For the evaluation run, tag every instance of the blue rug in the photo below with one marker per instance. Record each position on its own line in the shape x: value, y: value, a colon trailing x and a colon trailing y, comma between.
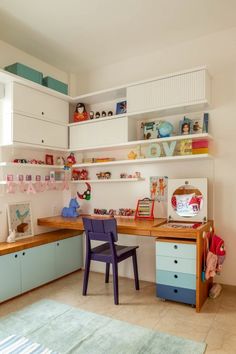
x: 65, y: 329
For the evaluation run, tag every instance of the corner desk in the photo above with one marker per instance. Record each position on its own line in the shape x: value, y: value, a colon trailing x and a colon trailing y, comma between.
x: 179, y: 254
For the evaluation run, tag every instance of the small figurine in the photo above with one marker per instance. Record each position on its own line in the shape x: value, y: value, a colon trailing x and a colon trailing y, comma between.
x: 70, y: 160
x: 104, y: 114
x: 91, y: 115
x: 71, y: 212
x: 79, y: 175
x: 103, y: 175
x: 87, y: 194
x: 12, y: 237
x: 60, y: 161
x: 110, y: 113
x: 132, y: 155
x: 80, y: 113
x: 97, y: 115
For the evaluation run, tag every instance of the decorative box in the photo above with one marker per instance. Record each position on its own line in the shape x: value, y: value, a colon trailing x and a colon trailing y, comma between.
x: 25, y: 72
x: 55, y: 85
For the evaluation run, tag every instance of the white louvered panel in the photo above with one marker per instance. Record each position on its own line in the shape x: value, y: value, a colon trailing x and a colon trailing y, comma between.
x: 176, y: 90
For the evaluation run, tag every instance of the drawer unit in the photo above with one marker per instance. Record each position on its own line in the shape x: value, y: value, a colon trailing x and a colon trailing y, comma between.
x: 181, y: 280
x: 175, y: 249
x: 187, y: 296
x: 176, y: 271
x: 176, y: 264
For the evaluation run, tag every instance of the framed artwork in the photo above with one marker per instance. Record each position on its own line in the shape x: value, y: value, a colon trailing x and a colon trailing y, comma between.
x: 20, y: 219
x: 185, y: 128
x: 49, y: 159
x: 158, y: 188
x: 121, y: 107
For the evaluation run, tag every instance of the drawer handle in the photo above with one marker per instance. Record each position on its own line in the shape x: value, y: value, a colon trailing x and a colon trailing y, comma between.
x: 58, y: 244
x: 175, y: 291
x: 175, y: 261
x: 176, y: 276
x: 175, y: 247
x: 16, y: 256
x: 42, y: 141
x: 23, y: 253
x: 42, y: 113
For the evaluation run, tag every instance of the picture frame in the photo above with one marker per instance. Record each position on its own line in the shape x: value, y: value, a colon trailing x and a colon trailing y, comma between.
x: 20, y: 219
x: 121, y: 107
x: 49, y: 159
x: 185, y: 127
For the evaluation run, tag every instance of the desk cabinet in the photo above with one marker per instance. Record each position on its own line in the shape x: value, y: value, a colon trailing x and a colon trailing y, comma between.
x: 37, y: 266
x: 176, y: 271
x: 68, y: 256
x: 32, y: 267
x: 10, y: 276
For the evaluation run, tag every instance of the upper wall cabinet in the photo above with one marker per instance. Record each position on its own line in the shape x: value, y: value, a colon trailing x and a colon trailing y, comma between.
x: 176, y: 90
x: 37, y: 104
x: 98, y: 133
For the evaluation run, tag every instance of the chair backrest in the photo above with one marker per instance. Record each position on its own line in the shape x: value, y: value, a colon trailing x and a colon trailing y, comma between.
x: 100, y: 229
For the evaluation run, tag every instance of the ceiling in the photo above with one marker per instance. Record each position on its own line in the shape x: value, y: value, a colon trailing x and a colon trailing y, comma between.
x: 84, y: 35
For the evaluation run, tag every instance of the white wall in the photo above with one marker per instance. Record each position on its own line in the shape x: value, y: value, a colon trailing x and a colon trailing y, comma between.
x: 218, y: 52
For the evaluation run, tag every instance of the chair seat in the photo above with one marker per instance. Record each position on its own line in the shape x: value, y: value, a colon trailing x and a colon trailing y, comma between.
x: 103, y: 252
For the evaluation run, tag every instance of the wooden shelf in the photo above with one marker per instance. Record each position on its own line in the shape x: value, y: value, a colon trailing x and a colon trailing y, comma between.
x: 134, y: 143
x: 114, y: 93
x: 112, y: 180
x: 147, y: 160
x: 30, y: 165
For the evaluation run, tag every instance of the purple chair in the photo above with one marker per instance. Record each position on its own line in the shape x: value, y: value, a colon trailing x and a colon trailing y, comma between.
x: 108, y: 252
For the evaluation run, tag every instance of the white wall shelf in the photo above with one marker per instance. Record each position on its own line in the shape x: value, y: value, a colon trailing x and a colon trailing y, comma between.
x: 112, y: 180
x: 147, y: 160
x: 27, y: 182
x: 135, y: 143
x: 30, y: 165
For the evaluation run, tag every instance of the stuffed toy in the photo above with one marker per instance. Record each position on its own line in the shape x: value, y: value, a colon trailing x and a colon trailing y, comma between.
x: 215, y: 256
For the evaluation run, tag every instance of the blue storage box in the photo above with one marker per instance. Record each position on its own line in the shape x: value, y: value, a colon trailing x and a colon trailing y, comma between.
x: 55, y: 84
x: 25, y: 72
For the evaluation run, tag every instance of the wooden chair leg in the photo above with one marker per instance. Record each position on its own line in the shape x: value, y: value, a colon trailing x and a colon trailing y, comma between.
x: 115, y: 283
x: 135, y: 265
x: 86, y: 275
x: 107, y: 272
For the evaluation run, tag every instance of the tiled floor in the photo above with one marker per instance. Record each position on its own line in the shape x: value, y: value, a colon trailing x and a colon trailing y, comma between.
x: 216, y: 324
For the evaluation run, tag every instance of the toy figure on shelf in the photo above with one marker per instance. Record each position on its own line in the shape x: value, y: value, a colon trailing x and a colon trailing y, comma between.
x: 70, y: 160
x: 110, y: 113
x: 71, y: 212
x: 12, y: 237
x: 60, y: 161
x: 104, y: 114
x: 80, y: 113
x: 103, y: 175
x: 79, y: 175
x: 91, y: 115
x: 132, y: 155
x: 97, y: 115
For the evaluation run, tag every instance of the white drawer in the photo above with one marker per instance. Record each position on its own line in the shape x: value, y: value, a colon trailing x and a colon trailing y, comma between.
x: 175, y: 249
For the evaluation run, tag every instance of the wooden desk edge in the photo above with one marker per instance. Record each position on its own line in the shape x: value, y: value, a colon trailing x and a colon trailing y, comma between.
x: 37, y: 240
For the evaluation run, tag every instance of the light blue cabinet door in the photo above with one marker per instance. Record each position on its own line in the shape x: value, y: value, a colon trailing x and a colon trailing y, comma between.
x: 68, y: 255
x: 37, y: 266
x: 10, y: 276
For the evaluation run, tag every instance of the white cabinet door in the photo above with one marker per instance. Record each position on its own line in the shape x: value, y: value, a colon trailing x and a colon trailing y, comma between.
x: 34, y: 103
x: 97, y: 133
x: 35, y: 131
x: 173, y: 91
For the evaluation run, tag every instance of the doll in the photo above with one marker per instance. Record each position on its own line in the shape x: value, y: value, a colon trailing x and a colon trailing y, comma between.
x: 104, y: 114
x: 97, y: 115
x: 80, y: 113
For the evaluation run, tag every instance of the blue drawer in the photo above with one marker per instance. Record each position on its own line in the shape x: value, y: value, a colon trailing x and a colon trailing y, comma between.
x: 181, y: 280
x: 167, y: 292
x: 175, y: 249
x: 176, y: 264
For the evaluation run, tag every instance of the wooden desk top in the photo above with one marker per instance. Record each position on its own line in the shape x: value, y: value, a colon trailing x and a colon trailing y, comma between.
x: 128, y: 226
x: 37, y: 240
